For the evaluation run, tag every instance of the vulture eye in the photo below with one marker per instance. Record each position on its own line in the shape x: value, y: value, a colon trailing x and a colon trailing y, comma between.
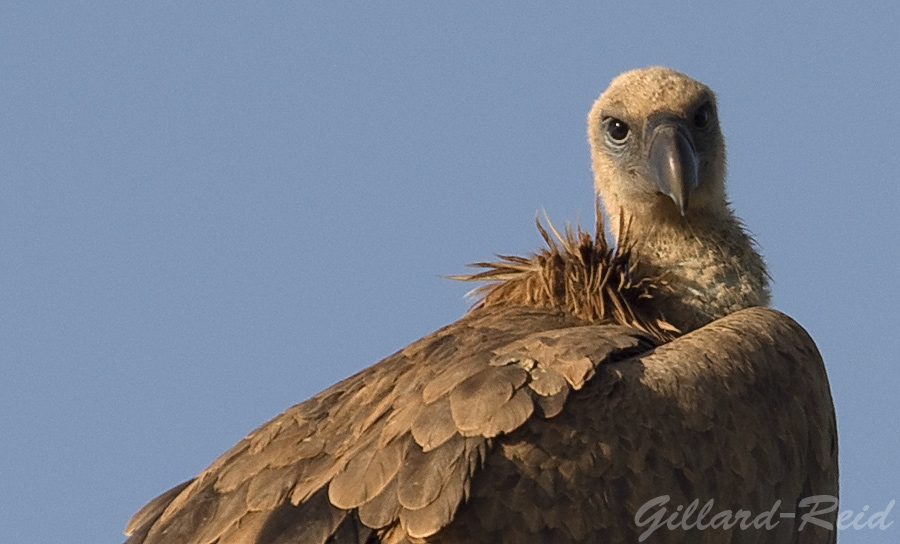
x: 702, y: 116
x: 617, y: 131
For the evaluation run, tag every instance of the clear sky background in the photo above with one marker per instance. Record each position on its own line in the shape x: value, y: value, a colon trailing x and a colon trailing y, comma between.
x: 210, y: 212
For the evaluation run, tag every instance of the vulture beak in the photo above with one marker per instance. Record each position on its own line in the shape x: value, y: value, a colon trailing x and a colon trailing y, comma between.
x: 673, y: 160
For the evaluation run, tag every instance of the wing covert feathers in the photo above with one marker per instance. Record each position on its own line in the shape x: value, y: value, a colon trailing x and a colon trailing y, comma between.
x: 503, y: 426
x: 398, y: 443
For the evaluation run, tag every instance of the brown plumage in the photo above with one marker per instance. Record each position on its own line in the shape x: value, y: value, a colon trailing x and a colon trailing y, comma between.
x: 581, y: 275
x: 567, y: 397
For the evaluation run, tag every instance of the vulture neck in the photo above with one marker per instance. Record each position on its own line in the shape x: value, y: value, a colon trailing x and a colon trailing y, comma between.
x: 709, y: 262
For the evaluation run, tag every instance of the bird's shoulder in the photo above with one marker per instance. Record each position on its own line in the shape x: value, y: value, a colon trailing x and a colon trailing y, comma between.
x: 737, y: 413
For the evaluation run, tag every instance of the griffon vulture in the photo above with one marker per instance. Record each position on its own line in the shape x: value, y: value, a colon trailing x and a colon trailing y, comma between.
x: 593, y: 394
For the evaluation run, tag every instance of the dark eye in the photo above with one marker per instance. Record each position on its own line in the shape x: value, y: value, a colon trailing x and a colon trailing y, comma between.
x: 702, y: 116
x: 617, y: 130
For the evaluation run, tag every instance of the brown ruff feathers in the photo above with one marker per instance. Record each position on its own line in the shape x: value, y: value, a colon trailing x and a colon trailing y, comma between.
x: 580, y: 274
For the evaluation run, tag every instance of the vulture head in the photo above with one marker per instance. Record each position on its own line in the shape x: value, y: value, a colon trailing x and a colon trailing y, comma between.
x: 657, y: 148
x: 658, y: 156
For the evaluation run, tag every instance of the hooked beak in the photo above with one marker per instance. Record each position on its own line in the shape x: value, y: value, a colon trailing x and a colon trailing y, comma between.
x: 673, y: 162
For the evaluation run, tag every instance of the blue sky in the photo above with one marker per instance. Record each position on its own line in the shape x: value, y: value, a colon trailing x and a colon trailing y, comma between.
x: 210, y: 212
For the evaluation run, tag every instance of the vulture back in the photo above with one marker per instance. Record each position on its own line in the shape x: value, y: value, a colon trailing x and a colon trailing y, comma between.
x: 529, y: 425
